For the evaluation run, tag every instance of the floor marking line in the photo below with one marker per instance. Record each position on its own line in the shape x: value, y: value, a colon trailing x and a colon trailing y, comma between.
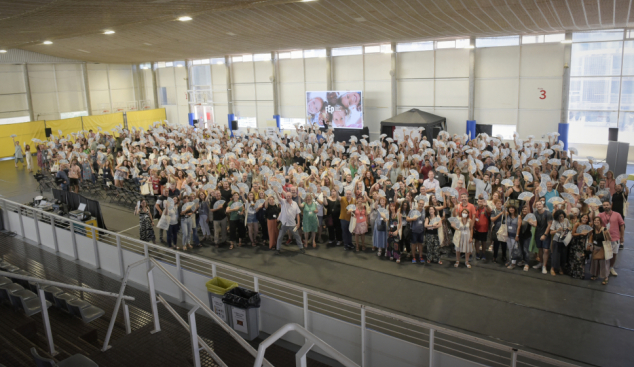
x: 125, y: 230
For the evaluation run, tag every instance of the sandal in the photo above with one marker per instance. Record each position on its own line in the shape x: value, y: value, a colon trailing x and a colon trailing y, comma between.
x: 231, y: 247
x: 439, y: 262
x: 605, y: 282
x: 178, y: 248
x: 190, y: 246
x: 593, y: 278
x: 468, y: 265
x: 457, y: 264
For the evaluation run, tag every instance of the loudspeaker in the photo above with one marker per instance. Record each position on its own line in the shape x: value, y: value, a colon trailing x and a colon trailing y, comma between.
x: 48, y: 132
x: 435, y: 131
x: 482, y: 128
x: 613, y: 134
x: 234, y: 125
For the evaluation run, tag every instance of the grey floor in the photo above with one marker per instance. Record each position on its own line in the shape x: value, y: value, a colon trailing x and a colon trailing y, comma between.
x: 579, y: 320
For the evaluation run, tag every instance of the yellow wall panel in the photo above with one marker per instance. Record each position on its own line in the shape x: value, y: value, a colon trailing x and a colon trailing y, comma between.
x: 106, y: 122
x: 67, y: 126
x: 25, y: 132
x: 145, y: 118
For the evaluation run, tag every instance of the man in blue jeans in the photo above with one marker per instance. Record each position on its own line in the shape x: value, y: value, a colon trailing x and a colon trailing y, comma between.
x: 289, y: 216
x: 542, y: 238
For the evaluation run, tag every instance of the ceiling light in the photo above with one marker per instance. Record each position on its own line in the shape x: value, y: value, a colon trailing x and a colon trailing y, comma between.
x: 147, y: 44
x: 47, y: 42
x: 2, y: 51
x: 84, y: 51
x: 566, y: 41
x: 185, y: 18
x: 108, y: 32
x: 305, y: 1
x: 231, y: 34
x: 360, y: 19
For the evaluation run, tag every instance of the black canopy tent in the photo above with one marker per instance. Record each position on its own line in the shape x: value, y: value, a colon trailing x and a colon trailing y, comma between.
x: 415, y: 118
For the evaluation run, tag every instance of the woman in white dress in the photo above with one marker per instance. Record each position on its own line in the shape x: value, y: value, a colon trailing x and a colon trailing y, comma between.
x: 464, y: 242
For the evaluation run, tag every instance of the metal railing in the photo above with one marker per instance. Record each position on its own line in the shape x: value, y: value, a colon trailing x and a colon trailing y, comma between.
x: 300, y: 356
x: 432, y: 337
x: 47, y: 325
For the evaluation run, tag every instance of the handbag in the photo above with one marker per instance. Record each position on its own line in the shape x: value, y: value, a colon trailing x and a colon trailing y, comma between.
x: 456, y: 239
x: 626, y: 206
x: 382, y: 226
x: 163, y: 223
x: 607, y: 249
x: 145, y: 189
x: 441, y: 233
x: 566, y: 237
x: 597, y: 253
x: 503, y: 232
x: 353, y: 224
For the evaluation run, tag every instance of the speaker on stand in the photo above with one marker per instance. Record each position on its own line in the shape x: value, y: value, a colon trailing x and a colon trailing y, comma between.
x: 48, y: 132
x: 234, y: 125
x: 483, y: 128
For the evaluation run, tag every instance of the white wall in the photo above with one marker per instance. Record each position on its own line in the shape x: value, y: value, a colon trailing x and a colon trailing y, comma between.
x: 112, y: 88
x: 436, y: 81
x: 173, y: 81
x: 13, y: 98
x: 56, y: 88
x: 252, y: 90
x: 520, y: 85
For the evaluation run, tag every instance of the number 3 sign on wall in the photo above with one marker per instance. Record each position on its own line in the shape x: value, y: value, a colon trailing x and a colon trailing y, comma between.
x: 542, y: 93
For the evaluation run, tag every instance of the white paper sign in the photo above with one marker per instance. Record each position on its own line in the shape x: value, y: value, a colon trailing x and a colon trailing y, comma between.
x: 239, y: 320
x: 219, y: 308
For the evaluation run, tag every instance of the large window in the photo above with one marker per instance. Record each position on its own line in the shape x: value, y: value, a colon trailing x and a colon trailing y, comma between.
x: 14, y: 120
x: 601, y: 87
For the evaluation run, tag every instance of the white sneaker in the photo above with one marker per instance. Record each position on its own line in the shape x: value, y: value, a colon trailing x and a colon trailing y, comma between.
x: 539, y: 265
x: 544, y: 271
x: 613, y: 272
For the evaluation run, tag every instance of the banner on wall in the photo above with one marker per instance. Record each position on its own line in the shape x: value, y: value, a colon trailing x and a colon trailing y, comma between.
x: 338, y: 109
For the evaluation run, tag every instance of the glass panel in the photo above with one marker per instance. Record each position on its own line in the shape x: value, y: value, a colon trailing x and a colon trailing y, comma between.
x: 16, y: 120
x: 628, y: 58
x: 372, y: 49
x: 594, y: 93
x: 262, y: 57
x: 67, y: 115
x: 315, y: 53
x: 532, y: 39
x: 557, y: 37
x: 244, y: 122
x: 590, y: 127
x: 462, y: 43
x: 626, y: 127
x: 218, y: 61
x: 446, y: 44
x: 169, y: 63
x: 498, y: 41
x: 236, y: 59
x: 344, y: 51
x: 161, y: 64
x: 247, y: 58
x: 601, y: 58
x: 288, y: 123
x: 627, y: 94
x: 630, y: 33
x: 414, y: 46
x: 201, y: 76
x: 284, y: 55
x: 605, y: 35
x: 179, y: 63
x: 506, y: 131
x: 205, y: 61
x: 197, y: 62
x: 297, y: 54
x: 386, y: 48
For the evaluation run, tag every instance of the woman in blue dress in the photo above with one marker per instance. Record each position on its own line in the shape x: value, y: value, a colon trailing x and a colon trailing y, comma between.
x: 379, y: 237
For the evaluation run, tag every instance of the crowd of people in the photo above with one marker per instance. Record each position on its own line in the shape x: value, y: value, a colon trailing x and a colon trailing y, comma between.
x: 514, y: 203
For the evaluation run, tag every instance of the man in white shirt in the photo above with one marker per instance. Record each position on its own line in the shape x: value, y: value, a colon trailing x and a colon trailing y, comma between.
x: 289, y: 217
x: 483, y: 185
x: 431, y: 184
x: 455, y: 177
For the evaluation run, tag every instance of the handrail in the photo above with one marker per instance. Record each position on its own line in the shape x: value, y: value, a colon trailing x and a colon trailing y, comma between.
x: 208, y: 311
x: 301, y: 289
x: 63, y: 285
x: 184, y: 324
x: 311, y: 340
